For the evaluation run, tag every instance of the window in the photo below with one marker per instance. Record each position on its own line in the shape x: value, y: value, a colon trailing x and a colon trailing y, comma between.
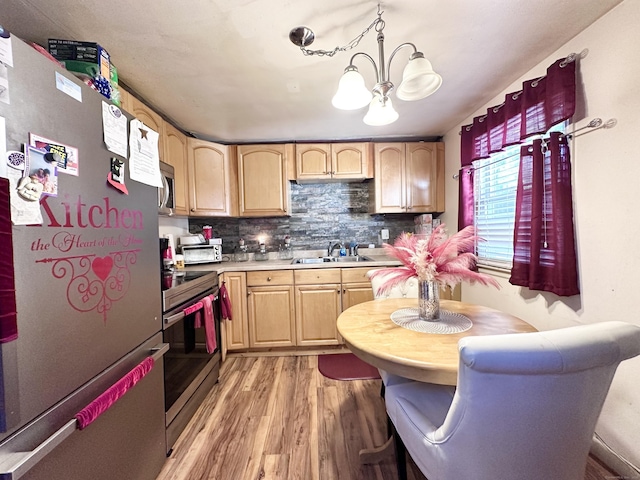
x: 495, y: 185
x: 495, y: 182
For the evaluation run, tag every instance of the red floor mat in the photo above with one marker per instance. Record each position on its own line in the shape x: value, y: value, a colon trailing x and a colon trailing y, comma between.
x: 346, y: 366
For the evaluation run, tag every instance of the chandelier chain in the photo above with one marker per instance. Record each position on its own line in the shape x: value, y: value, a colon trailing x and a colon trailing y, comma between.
x: 352, y: 44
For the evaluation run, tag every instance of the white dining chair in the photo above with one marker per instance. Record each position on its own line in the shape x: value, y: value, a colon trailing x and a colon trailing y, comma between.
x: 525, y: 405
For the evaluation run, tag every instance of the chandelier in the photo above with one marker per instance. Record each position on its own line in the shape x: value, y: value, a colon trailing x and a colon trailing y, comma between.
x: 418, y: 78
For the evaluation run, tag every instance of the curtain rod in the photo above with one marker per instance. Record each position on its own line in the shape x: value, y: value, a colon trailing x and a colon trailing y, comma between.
x: 595, y: 124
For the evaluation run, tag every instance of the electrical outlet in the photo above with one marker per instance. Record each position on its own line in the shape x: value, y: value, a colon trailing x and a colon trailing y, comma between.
x: 384, y: 234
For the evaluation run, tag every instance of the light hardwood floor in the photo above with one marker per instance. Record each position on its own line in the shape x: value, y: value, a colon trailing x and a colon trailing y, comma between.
x: 279, y: 418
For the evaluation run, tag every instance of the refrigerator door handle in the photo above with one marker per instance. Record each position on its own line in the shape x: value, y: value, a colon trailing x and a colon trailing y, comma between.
x: 159, y: 350
x: 15, y: 465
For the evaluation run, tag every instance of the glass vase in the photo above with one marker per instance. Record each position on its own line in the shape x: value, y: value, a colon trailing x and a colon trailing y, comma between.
x: 428, y: 301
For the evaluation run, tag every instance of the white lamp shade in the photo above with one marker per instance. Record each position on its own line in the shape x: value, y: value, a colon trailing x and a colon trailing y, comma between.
x: 418, y: 80
x: 380, y: 113
x: 352, y: 92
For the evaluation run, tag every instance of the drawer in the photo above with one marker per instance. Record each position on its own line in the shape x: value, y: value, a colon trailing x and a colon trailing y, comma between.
x: 356, y: 275
x: 313, y: 276
x: 270, y: 277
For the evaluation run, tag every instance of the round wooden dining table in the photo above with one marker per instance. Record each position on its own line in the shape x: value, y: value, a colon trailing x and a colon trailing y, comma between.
x: 371, y: 335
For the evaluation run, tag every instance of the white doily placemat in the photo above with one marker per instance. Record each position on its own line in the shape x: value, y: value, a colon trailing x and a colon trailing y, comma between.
x: 450, y: 322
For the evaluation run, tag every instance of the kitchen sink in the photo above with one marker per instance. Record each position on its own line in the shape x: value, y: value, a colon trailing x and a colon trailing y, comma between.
x: 359, y: 258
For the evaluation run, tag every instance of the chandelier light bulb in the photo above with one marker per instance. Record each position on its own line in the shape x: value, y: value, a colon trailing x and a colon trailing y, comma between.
x: 381, y: 112
x: 352, y: 92
x: 418, y: 79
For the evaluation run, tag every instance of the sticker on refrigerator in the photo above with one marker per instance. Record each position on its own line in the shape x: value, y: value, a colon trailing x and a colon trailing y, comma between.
x: 42, y: 166
x: 6, y: 51
x: 144, y: 161
x: 67, y: 86
x: 4, y: 84
x: 23, y: 210
x: 116, y: 176
x: 66, y: 156
x: 114, y: 125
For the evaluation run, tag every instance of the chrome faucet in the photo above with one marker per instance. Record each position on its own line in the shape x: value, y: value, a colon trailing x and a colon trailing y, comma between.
x: 337, y: 245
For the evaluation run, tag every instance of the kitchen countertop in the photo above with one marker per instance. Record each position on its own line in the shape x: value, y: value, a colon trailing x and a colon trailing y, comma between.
x: 377, y: 256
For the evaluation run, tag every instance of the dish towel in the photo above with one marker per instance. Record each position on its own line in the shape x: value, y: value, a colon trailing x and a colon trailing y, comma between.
x: 209, y: 324
x: 196, y: 307
x: 8, y: 315
x: 225, y: 303
x: 91, y: 412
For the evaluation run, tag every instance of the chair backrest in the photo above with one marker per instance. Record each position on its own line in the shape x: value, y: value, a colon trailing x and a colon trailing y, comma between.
x: 526, y: 405
x: 408, y: 289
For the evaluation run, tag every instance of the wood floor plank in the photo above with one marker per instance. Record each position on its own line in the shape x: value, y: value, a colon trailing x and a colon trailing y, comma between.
x: 279, y: 418
x: 300, y: 467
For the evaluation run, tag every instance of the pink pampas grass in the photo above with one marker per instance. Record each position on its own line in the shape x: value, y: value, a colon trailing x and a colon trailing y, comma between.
x: 445, y: 260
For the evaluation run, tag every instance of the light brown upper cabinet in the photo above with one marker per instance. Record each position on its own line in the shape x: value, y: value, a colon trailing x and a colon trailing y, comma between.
x: 213, y: 179
x: 263, y: 185
x: 125, y: 100
x: 151, y: 119
x: 333, y: 162
x: 175, y: 154
x: 409, y: 177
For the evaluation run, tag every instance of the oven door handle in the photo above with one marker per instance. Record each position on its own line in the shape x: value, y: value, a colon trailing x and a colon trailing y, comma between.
x: 168, y: 321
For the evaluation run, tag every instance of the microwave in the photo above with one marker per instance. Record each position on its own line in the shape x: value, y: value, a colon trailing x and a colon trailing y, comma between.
x: 166, y: 193
x: 195, y: 254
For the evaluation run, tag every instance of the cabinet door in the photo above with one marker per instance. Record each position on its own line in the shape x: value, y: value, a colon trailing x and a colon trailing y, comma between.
x: 126, y: 100
x: 425, y: 193
x: 317, y: 311
x: 262, y: 180
x: 151, y: 119
x: 313, y: 161
x: 350, y: 161
x: 212, y: 179
x: 237, y: 329
x: 355, y: 293
x: 175, y: 154
x: 271, y: 316
x: 389, y: 163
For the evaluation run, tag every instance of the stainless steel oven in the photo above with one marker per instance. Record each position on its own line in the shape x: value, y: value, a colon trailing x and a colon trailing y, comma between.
x: 189, y: 370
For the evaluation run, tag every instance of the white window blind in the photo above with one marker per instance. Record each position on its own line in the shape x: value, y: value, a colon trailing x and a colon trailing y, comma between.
x: 495, y: 182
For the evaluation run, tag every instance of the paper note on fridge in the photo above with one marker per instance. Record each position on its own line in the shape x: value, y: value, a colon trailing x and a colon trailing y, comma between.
x: 114, y: 125
x: 144, y: 161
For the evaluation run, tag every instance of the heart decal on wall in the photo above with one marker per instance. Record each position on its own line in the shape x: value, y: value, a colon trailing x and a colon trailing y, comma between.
x: 102, y: 266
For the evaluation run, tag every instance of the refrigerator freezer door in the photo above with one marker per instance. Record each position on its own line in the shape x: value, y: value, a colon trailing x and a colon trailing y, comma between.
x: 126, y: 441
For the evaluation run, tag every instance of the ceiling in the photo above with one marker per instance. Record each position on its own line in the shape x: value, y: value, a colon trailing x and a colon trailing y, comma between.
x: 225, y: 70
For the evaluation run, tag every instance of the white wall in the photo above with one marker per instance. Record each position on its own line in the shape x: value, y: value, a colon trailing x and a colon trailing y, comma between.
x: 606, y: 193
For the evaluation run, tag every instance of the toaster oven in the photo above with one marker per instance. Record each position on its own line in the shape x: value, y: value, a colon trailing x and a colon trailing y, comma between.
x: 196, y: 254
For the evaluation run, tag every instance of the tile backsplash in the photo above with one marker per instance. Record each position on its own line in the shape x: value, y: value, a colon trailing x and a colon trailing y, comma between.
x: 321, y: 213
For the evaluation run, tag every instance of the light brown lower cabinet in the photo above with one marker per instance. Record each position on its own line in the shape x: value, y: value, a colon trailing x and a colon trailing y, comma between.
x: 356, y: 287
x: 237, y: 330
x: 318, y: 305
x: 285, y: 308
x: 270, y: 306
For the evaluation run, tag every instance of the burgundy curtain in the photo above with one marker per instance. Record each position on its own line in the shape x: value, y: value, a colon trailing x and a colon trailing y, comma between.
x: 541, y: 103
x: 544, y: 244
x: 8, y: 317
x: 465, y: 200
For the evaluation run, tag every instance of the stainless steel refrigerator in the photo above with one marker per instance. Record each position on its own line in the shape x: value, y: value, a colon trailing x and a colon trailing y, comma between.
x: 88, y: 300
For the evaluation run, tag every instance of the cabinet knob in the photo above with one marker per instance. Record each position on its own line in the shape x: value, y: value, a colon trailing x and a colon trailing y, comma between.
x: 268, y: 279
x: 248, y: 292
